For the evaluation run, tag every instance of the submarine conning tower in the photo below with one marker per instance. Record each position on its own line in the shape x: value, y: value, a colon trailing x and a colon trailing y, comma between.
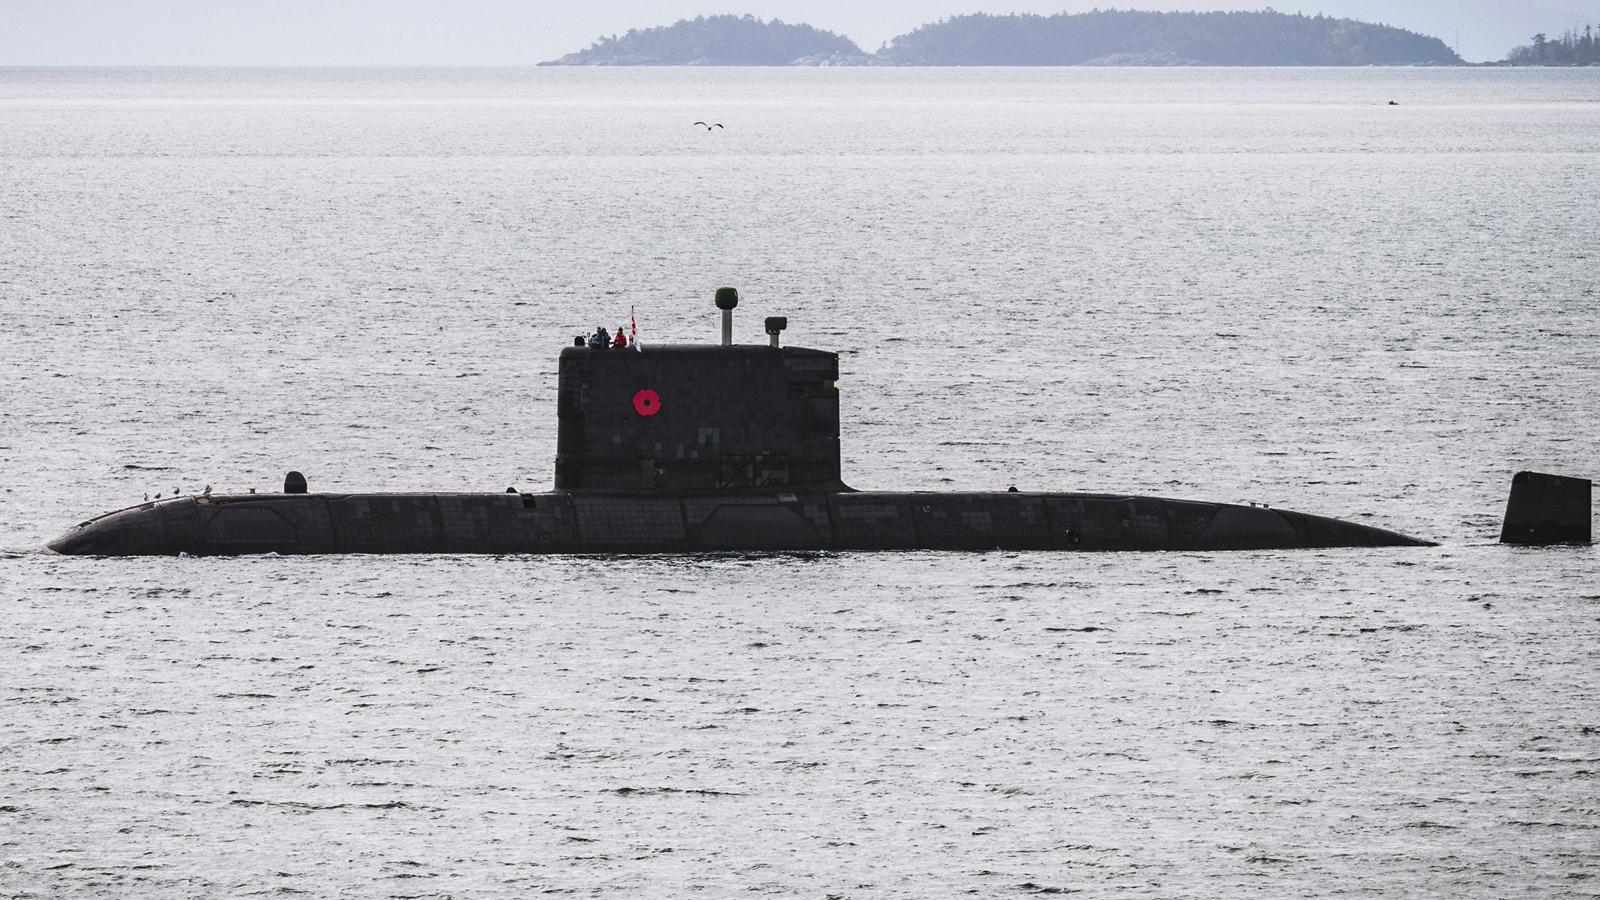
x: 695, y: 418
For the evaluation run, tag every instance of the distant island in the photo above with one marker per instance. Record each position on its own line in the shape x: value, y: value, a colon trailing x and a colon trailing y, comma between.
x: 1127, y: 37
x: 1102, y: 37
x: 725, y: 40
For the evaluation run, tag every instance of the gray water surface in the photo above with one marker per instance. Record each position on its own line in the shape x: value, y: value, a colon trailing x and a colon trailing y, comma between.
x: 1262, y: 285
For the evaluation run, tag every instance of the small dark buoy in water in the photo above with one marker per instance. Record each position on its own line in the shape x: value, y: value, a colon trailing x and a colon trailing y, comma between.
x: 1547, y: 509
x: 294, y: 483
x: 1012, y: 489
x: 1393, y: 103
x: 511, y: 490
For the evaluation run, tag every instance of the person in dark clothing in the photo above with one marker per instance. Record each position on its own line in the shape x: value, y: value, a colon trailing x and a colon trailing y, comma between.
x: 600, y: 340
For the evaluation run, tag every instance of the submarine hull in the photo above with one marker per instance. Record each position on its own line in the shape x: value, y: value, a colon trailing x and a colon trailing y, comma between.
x: 601, y: 522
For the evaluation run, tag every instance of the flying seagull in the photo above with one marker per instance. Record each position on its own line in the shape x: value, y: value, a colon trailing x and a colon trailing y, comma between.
x: 709, y: 127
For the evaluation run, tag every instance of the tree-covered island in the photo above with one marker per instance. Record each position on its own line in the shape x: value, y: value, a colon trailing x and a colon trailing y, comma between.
x: 1129, y: 37
x: 716, y: 41
x: 1102, y: 37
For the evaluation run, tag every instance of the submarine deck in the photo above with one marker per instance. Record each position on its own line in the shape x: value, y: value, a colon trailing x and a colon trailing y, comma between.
x: 629, y: 522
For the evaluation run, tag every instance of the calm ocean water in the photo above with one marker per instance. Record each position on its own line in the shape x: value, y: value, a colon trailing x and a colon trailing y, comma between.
x: 1232, y: 285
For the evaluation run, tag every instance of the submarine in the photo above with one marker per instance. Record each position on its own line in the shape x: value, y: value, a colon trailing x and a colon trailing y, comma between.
x: 693, y: 449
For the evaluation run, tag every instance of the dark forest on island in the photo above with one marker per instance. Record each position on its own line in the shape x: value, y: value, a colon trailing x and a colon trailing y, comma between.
x: 1102, y: 37
x: 1569, y: 49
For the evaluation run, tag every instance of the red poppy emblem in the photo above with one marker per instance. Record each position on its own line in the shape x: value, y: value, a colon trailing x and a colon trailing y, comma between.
x: 647, y: 402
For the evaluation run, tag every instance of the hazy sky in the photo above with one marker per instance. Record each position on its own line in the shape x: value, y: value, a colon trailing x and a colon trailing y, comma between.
x: 519, y: 32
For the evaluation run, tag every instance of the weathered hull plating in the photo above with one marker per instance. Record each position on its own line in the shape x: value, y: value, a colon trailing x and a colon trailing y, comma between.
x: 594, y: 522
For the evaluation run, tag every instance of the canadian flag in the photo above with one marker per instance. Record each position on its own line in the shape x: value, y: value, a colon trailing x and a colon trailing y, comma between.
x: 633, y: 330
